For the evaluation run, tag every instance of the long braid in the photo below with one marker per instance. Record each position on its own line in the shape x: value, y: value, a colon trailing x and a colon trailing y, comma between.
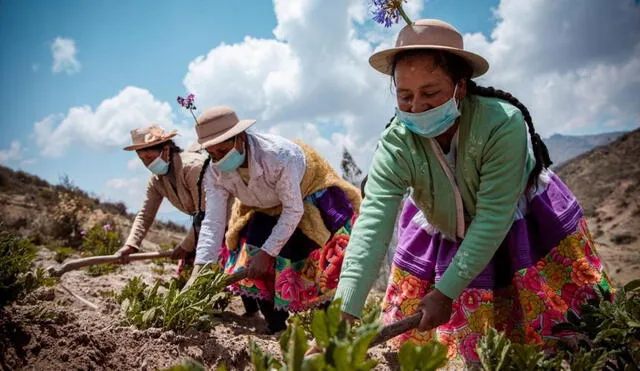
x: 540, y: 151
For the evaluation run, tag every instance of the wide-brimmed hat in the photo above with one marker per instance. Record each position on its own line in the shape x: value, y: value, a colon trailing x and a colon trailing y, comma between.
x: 217, y: 124
x: 148, y: 137
x: 428, y: 34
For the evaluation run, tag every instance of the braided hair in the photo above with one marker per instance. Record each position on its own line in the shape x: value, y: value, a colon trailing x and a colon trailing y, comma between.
x: 458, y: 69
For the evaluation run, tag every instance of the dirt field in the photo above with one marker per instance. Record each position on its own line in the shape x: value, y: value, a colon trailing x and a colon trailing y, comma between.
x: 53, y: 330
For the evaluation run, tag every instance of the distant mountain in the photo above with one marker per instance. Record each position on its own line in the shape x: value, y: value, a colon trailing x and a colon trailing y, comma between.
x: 606, y: 181
x: 562, y: 148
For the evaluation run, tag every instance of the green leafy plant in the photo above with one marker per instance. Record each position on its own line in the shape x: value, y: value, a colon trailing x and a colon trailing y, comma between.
x: 608, y: 329
x: 61, y: 252
x: 16, y: 260
x: 145, y: 306
x: 101, y: 239
x: 427, y: 357
x: 341, y: 346
x: 157, y: 270
x: 497, y: 352
x: 606, y: 336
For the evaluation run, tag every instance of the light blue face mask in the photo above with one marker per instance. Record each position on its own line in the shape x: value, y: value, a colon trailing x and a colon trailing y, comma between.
x: 159, y: 166
x: 433, y: 122
x: 232, y: 160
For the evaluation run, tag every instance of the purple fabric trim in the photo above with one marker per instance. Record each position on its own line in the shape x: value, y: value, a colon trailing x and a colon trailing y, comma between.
x: 553, y: 215
x: 335, y: 208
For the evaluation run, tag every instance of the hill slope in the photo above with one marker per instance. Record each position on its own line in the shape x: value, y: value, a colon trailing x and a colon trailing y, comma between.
x: 606, y: 180
x: 563, y: 148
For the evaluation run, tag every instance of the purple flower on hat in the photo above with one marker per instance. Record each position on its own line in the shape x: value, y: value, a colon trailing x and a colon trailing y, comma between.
x: 188, y: 103
x: 387, y: 12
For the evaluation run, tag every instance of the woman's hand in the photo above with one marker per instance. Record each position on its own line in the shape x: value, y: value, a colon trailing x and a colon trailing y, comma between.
x: 261, y: 266
x: 194, y: 274
x: 179, y: 253
x: 436, y: 310
x: 124, y: 253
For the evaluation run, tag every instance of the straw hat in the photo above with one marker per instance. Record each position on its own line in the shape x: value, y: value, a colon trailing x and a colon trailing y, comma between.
x: 148, y: 137
x: 216, y: 125
x: 428, y: 34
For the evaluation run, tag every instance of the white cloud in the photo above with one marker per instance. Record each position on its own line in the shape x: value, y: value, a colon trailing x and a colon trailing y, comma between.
x: 28, y: 161
x: 108, y: 125
x: 572, y: 74
x: 13, y: 153
x: 574, y: 64
x: 303, y: 77
x: 135, y: 163
x: 132, y: 191
x: 64, y: 53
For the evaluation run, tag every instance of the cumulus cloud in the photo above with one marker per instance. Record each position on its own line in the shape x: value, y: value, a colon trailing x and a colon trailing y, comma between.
x: 132, y: 190
x: 15, y: 155
x: 575, y: 64
x: 108, y: 125
x: 64, y: 53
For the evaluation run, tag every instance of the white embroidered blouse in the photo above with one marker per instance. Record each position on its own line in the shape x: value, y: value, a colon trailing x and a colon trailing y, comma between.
x: 276, y: 168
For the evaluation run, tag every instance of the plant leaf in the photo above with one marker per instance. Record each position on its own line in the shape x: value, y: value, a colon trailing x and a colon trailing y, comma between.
x: 319, y: 328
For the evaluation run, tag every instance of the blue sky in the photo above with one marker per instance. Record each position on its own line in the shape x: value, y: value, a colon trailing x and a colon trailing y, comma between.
x: 167, y: 48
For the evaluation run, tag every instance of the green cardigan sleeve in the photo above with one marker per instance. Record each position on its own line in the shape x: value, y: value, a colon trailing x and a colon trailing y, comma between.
x: 503, y: 177
x: 388, y: 179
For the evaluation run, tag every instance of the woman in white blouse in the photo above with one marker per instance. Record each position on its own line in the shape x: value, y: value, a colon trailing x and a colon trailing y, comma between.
x: 290, y: 225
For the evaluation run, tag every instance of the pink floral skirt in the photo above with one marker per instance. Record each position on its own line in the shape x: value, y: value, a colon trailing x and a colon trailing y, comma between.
x: 531, y: 285
x: 304, y: 275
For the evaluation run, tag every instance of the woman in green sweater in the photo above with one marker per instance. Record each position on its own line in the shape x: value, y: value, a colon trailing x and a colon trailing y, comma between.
x: 489, y: 235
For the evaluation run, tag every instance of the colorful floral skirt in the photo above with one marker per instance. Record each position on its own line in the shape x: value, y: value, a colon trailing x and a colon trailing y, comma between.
x: 304, y: 274
x: 546, y: 267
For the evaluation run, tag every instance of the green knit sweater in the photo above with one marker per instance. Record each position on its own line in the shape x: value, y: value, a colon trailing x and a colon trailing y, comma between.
x: 492, y: 168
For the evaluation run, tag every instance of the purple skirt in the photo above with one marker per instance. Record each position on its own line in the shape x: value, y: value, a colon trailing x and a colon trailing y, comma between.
x: 542, y: 221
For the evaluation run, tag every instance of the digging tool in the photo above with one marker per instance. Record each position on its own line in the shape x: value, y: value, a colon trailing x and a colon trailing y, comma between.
x: 236, y: 277
x: 103, y: 259
x: 397, y: 328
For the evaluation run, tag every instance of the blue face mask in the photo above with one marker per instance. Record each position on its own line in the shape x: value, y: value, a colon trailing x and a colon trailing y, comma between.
x: 231, y: 161
x: 433, y: 122
x: 159, y: 166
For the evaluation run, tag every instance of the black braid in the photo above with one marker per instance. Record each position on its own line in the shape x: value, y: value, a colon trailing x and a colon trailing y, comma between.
x: 540, y: 151
x: 199, y: 184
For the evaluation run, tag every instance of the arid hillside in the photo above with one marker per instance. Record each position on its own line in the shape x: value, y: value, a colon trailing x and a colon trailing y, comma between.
x: 606, y: 180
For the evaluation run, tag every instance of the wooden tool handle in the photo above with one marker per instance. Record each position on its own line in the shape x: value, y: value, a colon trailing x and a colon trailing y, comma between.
x: 104, y: 259
x: 236, y: 277
x: 397, y: 328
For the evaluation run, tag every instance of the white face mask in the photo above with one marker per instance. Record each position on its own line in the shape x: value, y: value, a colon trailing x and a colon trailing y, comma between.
x: 232, y: 160
x: 433, y: 122
x: 159, y: 166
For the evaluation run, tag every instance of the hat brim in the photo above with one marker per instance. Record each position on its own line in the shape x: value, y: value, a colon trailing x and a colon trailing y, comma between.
x: 135, y: 147
x: 383, y: 60
x: 205, y: 142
